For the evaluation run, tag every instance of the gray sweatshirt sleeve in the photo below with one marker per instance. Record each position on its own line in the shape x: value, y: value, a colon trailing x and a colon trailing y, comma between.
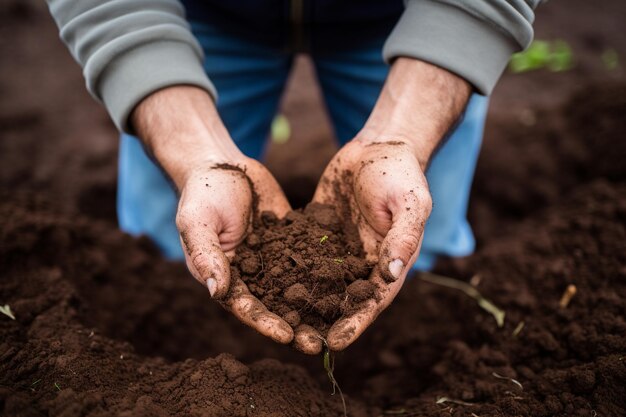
x: 471, y: 38
x: 129, y: 49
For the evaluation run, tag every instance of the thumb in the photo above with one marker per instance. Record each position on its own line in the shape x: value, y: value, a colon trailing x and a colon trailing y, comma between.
x: 205, y: 259
x: 400, y: 246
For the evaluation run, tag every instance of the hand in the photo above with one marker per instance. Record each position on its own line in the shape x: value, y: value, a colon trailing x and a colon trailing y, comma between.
x: 181, y: 128
x: 383, y: 188
x: 378, y: 178
x: 214, y: 215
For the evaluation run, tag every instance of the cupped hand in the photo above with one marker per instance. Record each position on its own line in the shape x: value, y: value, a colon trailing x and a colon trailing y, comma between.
x: 214, y: 215
x: 382, y: 187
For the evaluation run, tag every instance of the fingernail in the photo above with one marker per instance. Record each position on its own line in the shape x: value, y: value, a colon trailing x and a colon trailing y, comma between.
x: 395, y: 267
x: 211, y: 284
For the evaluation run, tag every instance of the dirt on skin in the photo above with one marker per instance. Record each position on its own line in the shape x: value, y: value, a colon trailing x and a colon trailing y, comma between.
x: 104, y: 326
x: 308, y: 267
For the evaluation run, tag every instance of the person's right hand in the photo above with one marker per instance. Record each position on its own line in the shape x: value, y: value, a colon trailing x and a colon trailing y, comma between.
x: 214, y: 215
x: 217, y: 185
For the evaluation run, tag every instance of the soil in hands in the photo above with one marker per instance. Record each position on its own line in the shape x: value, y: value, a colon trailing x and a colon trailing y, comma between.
x: 309, y: 267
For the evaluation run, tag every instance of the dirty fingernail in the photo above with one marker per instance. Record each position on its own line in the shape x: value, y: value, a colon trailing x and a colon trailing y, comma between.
x: 395, y: 267
x: 211, y: 284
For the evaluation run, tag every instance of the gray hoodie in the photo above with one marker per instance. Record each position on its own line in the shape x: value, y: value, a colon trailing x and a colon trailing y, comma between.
x: 131, y: 48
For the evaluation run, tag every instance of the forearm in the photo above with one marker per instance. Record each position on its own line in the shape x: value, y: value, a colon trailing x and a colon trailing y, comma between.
x: 417, y: 105
x: 181, y: 128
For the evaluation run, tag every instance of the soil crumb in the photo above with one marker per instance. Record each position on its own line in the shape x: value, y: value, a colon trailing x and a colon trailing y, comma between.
x: 309, y: 267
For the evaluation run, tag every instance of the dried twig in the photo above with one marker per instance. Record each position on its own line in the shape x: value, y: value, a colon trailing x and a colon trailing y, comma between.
x: 567, y: 296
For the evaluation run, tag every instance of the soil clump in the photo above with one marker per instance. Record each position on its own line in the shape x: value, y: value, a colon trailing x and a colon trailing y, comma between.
x: 308, y: 267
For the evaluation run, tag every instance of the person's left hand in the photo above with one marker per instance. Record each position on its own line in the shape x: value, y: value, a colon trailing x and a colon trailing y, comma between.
x: 382, y: 187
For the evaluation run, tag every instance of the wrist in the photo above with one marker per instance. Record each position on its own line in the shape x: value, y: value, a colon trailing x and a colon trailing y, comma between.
x: 418, y: 104
x: 181, y: 128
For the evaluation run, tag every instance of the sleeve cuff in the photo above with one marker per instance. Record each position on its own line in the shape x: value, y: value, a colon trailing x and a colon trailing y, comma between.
x: 137, y: 73
x: 453, y: 39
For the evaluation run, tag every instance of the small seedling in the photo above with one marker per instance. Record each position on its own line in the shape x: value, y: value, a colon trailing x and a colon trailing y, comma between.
x: 555, y: 55
x: 561, y: 57
x: 442, y: 400
x: 329, y: 366
x: 483, y: 303
x: 281, y: 130
x: 32, y: 386
x: 338, y: 260
x: 515, y: 381
x: 518, y: 328
x: 323, y: 239
x: 6, y: 310
x: 57, y: 386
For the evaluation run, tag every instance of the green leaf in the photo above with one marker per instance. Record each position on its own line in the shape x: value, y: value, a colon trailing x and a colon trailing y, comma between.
x: 6, y: 310
x: 281, y: 130
x: 554, y: 55
x: 561, y: 57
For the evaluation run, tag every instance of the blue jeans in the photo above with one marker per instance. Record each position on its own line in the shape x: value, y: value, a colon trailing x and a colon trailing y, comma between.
x: 250, y: 78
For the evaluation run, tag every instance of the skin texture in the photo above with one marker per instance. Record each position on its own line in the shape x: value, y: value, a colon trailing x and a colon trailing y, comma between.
x: 180, y: 127
x: 377, y: 179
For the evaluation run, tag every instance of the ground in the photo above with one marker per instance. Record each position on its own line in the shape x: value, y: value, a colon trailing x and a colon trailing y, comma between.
x: 104, y: 326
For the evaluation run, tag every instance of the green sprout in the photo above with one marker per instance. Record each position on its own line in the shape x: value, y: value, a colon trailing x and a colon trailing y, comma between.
x: 32, y: 386
x: 281, y: 130
x: 57, y: 386
x: 323, y: 239
x: 483, y: 303
x: 561, y: 57
x: 6, y: 310
x: 338, y: 260
x: 329, y: 366
x: 556, y: 56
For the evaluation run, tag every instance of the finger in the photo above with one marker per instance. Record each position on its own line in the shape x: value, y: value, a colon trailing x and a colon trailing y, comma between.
x: 205, y: 259
x: 307, y: 340
x: 250, y: 311
x: 346, y: 330
x: 409, y: 214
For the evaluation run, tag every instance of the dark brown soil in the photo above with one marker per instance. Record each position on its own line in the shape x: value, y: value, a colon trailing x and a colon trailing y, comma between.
x: 105, y: 327
x: 309, y: 267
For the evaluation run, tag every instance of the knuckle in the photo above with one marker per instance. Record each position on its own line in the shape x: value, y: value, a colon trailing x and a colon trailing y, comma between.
x: 424, y: 200
x: 182, y: 219
x: 408, y: 243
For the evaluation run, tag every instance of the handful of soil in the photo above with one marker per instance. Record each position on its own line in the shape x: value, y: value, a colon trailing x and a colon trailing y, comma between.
x: 308, y: 268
